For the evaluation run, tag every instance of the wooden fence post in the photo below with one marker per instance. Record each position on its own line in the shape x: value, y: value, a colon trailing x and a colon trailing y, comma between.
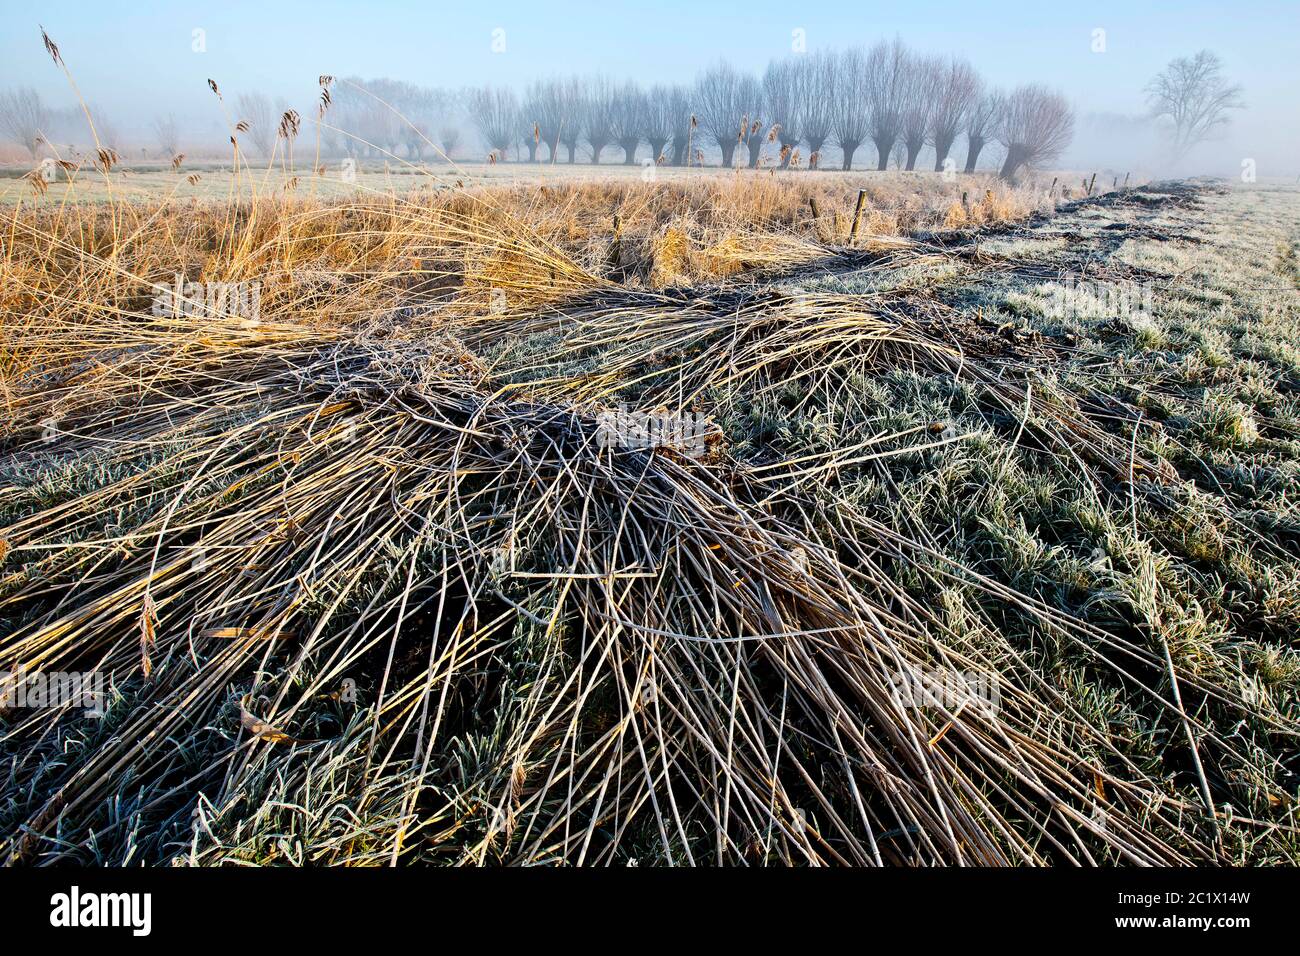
x: 615, y: 247
x: 857, y: 216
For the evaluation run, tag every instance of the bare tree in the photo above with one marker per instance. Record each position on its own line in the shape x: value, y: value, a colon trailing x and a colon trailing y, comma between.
x: 255, y: 109
x: 430, y: 119
x: 549, y: 108
x: 659, y: 120
x: 495, y: 113
x: 1035, y: 126
x: 752, y: 133
x: 106, y: 129
x: 816, y: 76
x: 598, y: 115
x: 887, y: 69
x: 575, y: 111
x: 1192, y: 95
x: 66, y: 125
x: 445, y: 115
x: 849, y: 96
x: 783, y: 104
x: 384, y: 113
x: 167, y: 135
x: 347, y: 114
x: 920, y: 90
x: 718, y: 97
x: 449, y: 137
x: 419, y: 107
x: 981, y: 123
x: 24, y: 118
x: 957, y: 90
x: 369, y: 112
x: 628, y: 120
x: 530, y: 131
x: 679, y: 109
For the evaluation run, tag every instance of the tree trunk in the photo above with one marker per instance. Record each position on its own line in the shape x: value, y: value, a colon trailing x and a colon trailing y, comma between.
x: 787, y: 147
x: 596, y: 149
x: 973, y: 154
x: 629, y: 150
x: 941, y: 150
x: 532, y: 150
x: 849, y: 149
x: 573, y: 151
x: 728, y: 148
x: 883, y: 148
x: 814, y: 146
x: 1015, y: 159
x: 755, y: 150
x: 657, y: 149
x: 913, y: 153
x: 679, y: 151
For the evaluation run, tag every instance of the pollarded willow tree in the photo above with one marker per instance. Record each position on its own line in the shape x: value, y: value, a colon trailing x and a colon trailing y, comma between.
x: 920, y: 87
x: 628, y: 120
x: 680, y: 115
x: 658, y: 120
x: 547, y: 108
x: 24, y: 118
x: 981, y: 124
x: 385, y: 102
x: 1035, y: 125
x: 816, y: 78
x: 575, y: 115
x: 850, y: 96
x: 495, y: 113
x: 448, y: 138
x: 752, y: 118
x: 350, y: 117
x: 784, y: 105
x: 447, y: 116
x: 599, y: 105
x: 420, y: 107
x: 720, y: 104
x: 957, y: 89
x: 257, y: 114
x: 1193, y: 97
x: 886, y: 87
x: 167, y: 134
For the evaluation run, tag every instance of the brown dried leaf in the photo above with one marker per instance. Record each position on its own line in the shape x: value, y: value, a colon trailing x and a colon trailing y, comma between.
x: 148, y: 633
x: 263, y: 730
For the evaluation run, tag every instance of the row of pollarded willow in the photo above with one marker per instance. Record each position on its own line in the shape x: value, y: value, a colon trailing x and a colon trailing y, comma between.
x: 887, y: 96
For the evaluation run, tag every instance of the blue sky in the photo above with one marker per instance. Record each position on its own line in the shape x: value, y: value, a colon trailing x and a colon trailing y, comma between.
x: 137, y: 57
